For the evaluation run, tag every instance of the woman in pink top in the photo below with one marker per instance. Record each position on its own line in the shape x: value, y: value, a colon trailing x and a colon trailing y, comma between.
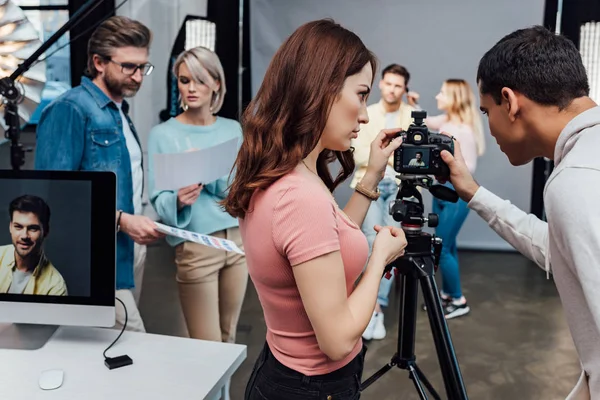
x: 462, y: 120
x: 304, y: 253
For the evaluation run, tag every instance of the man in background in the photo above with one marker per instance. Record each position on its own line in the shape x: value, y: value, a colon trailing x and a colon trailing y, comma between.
x: 390, y: 112
x: 24, y: 268
x: 88, y: 129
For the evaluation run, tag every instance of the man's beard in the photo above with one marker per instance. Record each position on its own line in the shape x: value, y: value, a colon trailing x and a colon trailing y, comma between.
x: 119, y: 88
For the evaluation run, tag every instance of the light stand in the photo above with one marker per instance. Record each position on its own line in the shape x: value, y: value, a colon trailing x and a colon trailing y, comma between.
x: 12, y: 96
x: 418, y: 265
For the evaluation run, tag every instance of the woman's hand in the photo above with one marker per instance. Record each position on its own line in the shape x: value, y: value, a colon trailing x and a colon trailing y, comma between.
x: 382, y: 149
x: 389, y: 243
x: 188, y: 195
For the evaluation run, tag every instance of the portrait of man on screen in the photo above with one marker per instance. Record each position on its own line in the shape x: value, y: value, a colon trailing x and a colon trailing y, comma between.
x: 24, y: 267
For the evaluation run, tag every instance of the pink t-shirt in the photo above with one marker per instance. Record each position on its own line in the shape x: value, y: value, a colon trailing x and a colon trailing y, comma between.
x: 293, y: 221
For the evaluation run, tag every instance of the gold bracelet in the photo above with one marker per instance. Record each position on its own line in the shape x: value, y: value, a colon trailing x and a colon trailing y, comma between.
x: 370, y: 194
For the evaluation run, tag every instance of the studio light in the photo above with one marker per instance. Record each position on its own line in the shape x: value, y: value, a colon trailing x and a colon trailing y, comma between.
x: 18, y: 41
x: 589, y: 45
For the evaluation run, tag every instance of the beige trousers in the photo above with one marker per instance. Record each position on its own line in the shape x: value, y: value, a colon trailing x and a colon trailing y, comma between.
x: 212, y: 284
x: 131, y: 297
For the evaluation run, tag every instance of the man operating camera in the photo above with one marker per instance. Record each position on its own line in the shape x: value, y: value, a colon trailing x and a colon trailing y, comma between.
x: 534, y: 89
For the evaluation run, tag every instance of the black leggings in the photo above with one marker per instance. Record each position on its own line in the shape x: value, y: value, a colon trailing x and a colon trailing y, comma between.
x: 271, y: 380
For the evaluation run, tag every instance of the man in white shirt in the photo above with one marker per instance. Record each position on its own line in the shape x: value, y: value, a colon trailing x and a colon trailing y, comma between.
x: 390, y: 112
x: 534, y: 89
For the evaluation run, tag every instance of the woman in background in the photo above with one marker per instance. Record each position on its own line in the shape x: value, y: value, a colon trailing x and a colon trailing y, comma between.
x: 304, y: 252
x: 211, y: 282
x: 461, y: 119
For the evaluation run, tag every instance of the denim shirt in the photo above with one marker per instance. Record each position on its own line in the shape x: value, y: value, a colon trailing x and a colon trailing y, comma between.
x: 82, y: 131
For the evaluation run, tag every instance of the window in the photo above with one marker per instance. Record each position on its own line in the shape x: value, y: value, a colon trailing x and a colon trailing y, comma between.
x: 589, y: 45
x: 47, y: 16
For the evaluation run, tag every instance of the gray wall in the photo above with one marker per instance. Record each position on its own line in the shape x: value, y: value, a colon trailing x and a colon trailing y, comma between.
x: 435, y: 40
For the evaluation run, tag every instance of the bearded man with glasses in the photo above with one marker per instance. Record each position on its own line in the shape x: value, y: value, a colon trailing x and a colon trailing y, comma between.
x: 88, y: 129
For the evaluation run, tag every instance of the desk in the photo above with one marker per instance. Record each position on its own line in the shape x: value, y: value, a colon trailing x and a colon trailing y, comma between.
x: 164, y: 367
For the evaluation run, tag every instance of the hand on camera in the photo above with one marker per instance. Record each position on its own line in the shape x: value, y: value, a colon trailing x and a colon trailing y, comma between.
x: 188, y: 195
x: 140, y: 229
x: 390, y: 242
x: 460, y: 177
x: 382, y: 149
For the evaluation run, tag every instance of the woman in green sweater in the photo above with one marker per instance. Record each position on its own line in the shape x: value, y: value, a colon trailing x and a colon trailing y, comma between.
x: 211, y: 282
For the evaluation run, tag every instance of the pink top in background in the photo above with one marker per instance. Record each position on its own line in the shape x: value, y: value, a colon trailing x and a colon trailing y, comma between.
x: 291, y: 222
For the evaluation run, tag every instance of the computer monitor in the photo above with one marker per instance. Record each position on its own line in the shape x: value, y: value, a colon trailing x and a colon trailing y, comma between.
x: 57, y: 253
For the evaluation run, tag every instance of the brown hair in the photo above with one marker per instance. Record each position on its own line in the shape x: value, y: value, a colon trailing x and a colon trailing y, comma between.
x: 286, y: 119
x: 114, y: 33
x: 397, y: 70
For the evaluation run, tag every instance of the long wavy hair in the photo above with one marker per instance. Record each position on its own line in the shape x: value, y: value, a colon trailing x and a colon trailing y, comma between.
x: 464, y: 107
x: 286, y: 119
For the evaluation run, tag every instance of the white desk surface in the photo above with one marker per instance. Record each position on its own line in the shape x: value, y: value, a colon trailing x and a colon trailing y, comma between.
x: 164, y: 367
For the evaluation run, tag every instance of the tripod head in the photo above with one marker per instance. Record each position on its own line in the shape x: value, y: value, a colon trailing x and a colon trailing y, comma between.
x: 408, y: 207
x: 408, y: 210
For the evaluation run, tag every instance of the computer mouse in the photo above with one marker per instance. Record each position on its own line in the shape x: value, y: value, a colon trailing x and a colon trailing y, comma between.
x: 51, y: 379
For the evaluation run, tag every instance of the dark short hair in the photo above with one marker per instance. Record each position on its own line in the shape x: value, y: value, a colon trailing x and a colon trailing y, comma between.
x: 419, y: 152
x: 398, y: 70
x: 32, y: 204
x: 545, y: 67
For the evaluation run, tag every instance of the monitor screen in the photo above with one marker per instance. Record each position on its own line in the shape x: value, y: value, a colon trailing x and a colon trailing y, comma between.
x: 57, y: 237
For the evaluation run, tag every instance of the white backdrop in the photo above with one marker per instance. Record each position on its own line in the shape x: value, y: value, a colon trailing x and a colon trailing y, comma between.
x: 435, y: 40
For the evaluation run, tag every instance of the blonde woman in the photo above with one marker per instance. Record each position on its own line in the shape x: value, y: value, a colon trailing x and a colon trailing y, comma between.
x: 211, y: 282
x: 460, y: 119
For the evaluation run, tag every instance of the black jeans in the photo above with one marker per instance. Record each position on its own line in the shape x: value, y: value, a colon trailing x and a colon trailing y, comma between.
x: 271, y: 380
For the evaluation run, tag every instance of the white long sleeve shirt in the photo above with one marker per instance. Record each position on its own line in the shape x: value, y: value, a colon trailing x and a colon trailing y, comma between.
x: 569, y: 243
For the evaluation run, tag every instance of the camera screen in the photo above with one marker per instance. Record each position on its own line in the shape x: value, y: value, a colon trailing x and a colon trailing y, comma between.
x: 415, y: 158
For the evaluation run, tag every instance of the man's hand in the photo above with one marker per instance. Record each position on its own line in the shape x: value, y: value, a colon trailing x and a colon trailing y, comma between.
x: 188, y: 195
x: 140, y: 229
x: 460, y: 177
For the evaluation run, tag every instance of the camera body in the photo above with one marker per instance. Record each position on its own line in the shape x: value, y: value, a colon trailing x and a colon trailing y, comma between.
x: 420, y: 151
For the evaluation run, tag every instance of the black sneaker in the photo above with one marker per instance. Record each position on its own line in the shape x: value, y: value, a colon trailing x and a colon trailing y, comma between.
x: 453, y: 310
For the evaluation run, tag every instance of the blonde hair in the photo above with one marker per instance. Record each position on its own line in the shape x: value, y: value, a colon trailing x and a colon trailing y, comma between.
x: 114, y: 33
x: 205, y: 67
x: 463, y: 106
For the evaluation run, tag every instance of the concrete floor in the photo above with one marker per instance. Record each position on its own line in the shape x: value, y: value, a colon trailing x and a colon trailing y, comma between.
x: 513, y: 345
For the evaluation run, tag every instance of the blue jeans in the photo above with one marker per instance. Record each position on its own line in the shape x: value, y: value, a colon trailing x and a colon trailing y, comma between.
x: 378, y: 214
x: 451, y: 218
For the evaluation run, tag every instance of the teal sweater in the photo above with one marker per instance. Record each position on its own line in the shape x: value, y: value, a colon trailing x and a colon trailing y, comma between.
x: 205, y: 215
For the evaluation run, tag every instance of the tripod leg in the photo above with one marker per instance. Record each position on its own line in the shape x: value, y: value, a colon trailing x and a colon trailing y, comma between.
x: 453, y: 382
x: 414, y: 375
x: 426, y: 382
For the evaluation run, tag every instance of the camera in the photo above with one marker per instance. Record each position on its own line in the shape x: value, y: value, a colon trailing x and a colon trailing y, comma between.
x: 420, y: 151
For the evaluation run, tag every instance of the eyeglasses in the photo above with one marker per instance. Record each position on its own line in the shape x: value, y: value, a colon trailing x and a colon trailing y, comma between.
x: 130, y: 68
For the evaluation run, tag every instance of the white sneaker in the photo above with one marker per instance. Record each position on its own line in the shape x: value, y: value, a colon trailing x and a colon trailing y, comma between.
x: 368, y: 333
x: 379, y: 328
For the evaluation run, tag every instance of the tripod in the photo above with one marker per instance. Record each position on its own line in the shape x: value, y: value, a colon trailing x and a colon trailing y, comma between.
x: 417, y: 266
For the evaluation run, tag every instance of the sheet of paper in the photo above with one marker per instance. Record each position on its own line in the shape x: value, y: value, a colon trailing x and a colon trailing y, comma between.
x: 177, y: 170
x: 207, y: 240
